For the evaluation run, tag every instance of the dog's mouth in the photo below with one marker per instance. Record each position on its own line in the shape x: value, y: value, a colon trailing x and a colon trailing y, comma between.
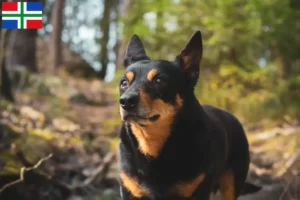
x: 138, y: 118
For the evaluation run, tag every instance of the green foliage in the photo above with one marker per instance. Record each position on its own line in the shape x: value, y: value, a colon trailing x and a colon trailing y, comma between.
x: 236, y: 36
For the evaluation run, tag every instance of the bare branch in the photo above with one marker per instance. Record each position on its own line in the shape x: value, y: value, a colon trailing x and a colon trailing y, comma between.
x: 23, y: 170
x: 291, y: 161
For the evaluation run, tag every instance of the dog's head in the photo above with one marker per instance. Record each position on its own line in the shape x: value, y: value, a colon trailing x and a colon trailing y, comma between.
x: 152, y: 90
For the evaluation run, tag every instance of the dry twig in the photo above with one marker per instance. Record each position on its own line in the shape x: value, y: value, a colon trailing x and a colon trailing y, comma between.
x: 23, y: 170
x: 285, y: 189
x: 293, y: 158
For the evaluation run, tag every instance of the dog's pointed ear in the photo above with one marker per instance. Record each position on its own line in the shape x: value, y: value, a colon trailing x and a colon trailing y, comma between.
x: 190, y: 57
x: 135, y: 51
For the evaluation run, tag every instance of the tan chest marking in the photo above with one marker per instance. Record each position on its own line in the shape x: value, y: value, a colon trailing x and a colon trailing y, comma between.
x: 151, y: 139
x: 132, y: 185
x: 188, y: 188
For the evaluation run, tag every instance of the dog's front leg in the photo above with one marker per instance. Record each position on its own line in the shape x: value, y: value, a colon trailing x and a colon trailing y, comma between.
x: 126, y: 195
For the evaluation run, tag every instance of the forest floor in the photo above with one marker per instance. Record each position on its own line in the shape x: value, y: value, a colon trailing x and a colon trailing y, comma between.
x: 73, y: 124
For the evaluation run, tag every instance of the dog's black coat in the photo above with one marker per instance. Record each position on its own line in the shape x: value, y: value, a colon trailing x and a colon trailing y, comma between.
x: 203, y: 139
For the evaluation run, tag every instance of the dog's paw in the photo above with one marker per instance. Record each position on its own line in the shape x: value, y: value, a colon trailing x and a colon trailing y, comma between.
x: 250, y: 188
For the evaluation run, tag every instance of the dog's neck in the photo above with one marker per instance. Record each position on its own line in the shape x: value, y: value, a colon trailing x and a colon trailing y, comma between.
x: 151, y: 138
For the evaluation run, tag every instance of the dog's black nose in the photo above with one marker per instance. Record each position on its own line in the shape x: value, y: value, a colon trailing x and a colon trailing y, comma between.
x: 129, y: 101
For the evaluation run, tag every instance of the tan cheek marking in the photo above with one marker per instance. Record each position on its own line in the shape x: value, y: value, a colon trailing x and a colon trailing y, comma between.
x: 145, y: 98
x: 130, y: 76
x: 151, y: 74
x: 132, y: 186
x: 152, y: 137
x: 226, y: 182
x: 187, y: 189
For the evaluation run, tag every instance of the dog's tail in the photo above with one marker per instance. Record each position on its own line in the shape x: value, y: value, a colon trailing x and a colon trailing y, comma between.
x: 250, y: 188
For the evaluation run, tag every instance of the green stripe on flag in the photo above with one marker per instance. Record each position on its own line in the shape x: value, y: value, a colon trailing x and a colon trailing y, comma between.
x: 22, y: 12
x: 25, y: 15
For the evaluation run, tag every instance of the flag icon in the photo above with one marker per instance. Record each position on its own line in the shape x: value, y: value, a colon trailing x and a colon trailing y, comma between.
x: 22, y: 15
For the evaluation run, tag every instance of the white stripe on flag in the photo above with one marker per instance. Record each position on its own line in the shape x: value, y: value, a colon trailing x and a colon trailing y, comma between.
x: 30, y: 12
x: 13, y: 18
x: 13, y: 12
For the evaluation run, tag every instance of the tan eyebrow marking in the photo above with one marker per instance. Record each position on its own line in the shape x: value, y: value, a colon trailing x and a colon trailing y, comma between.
x: 151, y: 74
x: 130, y: 76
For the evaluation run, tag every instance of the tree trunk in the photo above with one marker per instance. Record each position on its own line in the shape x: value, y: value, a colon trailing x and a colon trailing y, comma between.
x: 159, y: 27
x: 5, y: 84
x: 123, y: 43
x: 286, y: 67
x: 105, y: 26
x: 55, y: 36
x: 21, y: 49
x: 283, y: 61
x: 5, y: 87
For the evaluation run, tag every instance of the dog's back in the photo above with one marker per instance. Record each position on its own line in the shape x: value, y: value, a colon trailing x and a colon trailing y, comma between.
x: 236, y: 137
x: 238, y: 157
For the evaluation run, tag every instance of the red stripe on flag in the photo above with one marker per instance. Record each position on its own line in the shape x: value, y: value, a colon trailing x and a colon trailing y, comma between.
x: 9, y: 6
x: 34, y: 24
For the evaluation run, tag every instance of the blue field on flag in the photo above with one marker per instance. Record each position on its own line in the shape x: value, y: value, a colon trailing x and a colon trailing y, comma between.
x: 34, y: 6
x: 9, y: 24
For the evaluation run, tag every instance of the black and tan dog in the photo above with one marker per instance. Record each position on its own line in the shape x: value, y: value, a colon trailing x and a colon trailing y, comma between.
x: 171, y: 146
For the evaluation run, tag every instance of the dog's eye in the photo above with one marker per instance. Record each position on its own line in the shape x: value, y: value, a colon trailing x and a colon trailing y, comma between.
x: 124, y: 83
x: 159, y: 82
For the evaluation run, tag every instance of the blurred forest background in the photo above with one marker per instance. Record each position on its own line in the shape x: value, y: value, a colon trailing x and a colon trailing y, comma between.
x: 59, y: 89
